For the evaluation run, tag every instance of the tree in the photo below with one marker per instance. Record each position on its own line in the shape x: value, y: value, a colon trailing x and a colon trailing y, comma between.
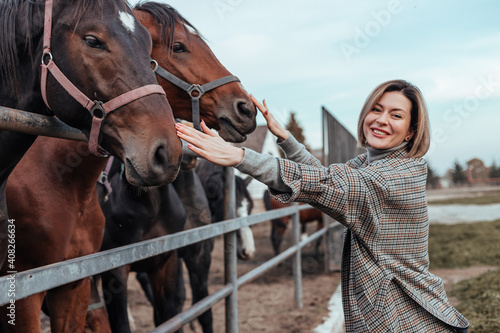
x: 494, y: 171
x: 432, y: 177
x: 458, y: 176
x: 295, y: 128
x: 478, y: 169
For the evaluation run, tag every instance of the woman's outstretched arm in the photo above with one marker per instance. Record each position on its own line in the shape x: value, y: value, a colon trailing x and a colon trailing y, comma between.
x: 210, y: 145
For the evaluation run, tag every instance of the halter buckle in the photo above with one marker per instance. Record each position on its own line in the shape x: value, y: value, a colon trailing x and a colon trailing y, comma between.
x: 97, y: 110
x: 49, y: 54
x: 154, y: 63
x: 195, y: 89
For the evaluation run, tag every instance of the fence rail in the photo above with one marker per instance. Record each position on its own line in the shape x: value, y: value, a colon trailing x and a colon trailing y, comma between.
x: 40, y: 279
x: 47, y: 277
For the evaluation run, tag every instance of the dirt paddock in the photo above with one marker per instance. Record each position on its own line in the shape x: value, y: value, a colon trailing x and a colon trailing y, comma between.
x: 267, y: 303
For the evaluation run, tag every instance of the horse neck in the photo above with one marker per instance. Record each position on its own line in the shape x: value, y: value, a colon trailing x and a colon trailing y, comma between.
x: 72, y: 165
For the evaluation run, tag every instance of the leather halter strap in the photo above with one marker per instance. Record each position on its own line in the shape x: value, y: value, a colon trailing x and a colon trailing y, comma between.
x: 97, y: 109
x: 104, y: 178
x: 195, y: 91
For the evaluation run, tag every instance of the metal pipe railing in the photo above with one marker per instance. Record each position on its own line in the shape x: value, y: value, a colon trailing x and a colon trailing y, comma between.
x: 37, y: 124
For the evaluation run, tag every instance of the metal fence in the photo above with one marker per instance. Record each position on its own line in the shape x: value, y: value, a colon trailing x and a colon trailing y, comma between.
x: 40, y: 279
x: 339, y: 146
x: 36, y: 280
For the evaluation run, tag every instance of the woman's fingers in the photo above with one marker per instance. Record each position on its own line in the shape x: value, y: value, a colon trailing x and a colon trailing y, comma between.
x: 262, y: 108
x: 207, y: 129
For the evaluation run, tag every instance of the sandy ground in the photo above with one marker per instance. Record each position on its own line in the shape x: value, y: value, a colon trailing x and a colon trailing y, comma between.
x: 267, y: 303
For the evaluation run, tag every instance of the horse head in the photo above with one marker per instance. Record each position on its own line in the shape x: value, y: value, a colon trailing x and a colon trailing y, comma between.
x: 104, y: 53
x: 179, y: 48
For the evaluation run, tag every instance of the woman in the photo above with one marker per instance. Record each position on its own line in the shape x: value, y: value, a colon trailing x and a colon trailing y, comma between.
x: 379, y: 196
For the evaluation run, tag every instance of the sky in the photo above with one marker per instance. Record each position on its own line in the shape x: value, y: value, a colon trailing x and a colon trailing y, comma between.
x: 301, y: 56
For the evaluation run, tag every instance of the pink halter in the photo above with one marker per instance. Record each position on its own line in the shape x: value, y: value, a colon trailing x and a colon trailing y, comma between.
x: 97, y: 109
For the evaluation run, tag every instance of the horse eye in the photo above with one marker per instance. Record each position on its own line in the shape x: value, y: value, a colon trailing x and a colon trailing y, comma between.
x: 179, y: 48
x: 93, y: 42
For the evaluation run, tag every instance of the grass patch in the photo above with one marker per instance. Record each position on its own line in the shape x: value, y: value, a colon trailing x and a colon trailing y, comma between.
x: 480, y: 302
x: 464, y: 245
x: 488, y: 198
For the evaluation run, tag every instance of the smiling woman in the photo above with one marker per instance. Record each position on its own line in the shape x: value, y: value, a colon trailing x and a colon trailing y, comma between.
x: 378, y: 196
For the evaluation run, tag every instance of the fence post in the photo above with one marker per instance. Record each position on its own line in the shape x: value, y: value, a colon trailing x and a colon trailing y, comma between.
x: 230, y: 248
x: 297, y: 267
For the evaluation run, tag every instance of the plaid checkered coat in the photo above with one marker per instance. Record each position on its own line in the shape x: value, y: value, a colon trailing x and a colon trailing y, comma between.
x: 386, y: 285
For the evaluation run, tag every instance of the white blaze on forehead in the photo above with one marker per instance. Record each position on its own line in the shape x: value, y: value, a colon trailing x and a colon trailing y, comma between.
x: 190, y: 29
x: 128, y: 21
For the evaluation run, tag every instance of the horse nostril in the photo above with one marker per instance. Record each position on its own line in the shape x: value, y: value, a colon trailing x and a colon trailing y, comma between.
x: 160, y: 157
x: 245, y: 108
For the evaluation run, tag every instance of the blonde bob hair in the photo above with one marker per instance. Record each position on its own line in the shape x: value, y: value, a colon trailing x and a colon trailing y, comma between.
x: 420, y: 142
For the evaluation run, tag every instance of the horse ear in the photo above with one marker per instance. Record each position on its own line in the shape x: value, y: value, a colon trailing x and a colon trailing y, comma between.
x: 247, y: 180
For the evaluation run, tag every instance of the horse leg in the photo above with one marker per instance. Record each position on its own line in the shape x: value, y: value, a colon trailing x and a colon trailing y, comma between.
x: 278, y: 228
x: 114, y: 286
x: 143, y: 279
x: 26, y: 315
x: 163, y: 282
x: 198, y: 268
x: 68, y: 305
x: 180, y: 289
x: 97, y: 317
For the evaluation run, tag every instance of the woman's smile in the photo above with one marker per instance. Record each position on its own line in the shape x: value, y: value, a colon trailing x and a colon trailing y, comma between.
x: 387, y: 125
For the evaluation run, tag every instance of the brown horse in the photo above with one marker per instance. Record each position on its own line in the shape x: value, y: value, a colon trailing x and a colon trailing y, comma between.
x: 279, y: 225
x: 65, y: 179
x: 87, y: 47
x: 56, y: 184
x: 227, y: 108
x: 181, y: 51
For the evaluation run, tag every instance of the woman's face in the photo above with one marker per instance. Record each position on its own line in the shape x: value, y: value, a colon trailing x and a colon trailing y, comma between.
x: 388, y: 123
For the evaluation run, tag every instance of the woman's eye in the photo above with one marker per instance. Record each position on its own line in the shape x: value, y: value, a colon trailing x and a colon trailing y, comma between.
x: 94, y: 42
x: 179, y: 48
x: 398, y: 116
x: 375, y: 110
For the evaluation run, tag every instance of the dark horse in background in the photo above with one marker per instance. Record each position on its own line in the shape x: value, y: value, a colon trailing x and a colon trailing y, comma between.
x: 279, y: 225
x: 134, y: 214
x: 51, y: 194
x: 178, y: 48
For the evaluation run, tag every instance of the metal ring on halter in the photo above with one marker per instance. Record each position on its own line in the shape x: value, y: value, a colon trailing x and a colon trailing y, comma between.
x: 50, y: 57
x: 195, y: 88
x: 101, y: 114
x: 155, y: 64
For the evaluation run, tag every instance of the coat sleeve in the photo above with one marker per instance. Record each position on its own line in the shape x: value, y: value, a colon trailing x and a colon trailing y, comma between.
x: 297, y: 152
x: 353, y: 196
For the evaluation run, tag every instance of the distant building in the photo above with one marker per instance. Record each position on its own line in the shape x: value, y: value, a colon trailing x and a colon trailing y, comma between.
x: 264, y: 142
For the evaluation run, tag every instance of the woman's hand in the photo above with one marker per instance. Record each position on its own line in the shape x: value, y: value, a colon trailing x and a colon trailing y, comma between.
x: 275, y: 128
x: 209, y: 145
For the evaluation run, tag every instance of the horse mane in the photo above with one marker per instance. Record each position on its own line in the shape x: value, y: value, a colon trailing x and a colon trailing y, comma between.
x: 20, y: 32
x: 9, y: 39
x: 165, y: 18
